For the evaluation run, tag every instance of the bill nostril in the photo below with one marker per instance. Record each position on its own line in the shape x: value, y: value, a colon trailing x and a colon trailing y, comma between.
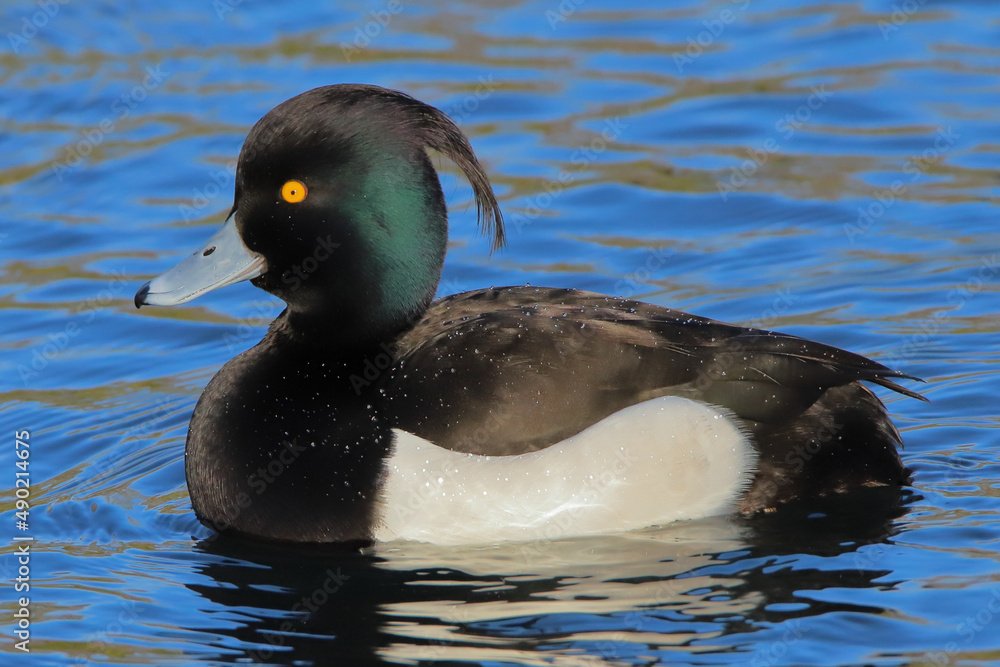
x: 208, y: 251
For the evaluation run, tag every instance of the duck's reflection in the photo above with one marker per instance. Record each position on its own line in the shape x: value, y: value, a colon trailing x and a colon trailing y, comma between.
x: 617, y: 597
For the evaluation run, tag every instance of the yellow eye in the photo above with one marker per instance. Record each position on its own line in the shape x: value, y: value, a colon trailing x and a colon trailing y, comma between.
x: 294, y: 191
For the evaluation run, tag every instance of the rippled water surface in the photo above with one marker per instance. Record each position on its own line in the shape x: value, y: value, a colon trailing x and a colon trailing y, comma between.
x: 825, y: 168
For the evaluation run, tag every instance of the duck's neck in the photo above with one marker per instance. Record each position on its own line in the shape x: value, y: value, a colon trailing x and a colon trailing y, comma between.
x: 351, y: 328
x: 286, y: 444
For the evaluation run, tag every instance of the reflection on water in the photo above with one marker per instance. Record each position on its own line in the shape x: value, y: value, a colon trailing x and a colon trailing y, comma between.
x: 826, y: 169
x: 622, y: 598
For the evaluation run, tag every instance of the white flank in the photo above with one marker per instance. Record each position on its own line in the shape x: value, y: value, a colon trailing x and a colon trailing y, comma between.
x: 668, y: 459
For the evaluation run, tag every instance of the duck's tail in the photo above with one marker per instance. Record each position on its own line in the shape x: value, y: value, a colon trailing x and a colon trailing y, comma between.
x: 844, y: 440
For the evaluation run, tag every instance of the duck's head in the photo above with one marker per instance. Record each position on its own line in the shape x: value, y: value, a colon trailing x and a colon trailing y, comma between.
x: 339, y: 212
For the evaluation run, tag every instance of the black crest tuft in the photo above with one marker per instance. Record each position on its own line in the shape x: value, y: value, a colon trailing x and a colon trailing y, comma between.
x: 432, y: 128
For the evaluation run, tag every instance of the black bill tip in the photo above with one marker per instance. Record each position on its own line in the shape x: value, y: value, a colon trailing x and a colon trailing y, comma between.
x: 140, y: 296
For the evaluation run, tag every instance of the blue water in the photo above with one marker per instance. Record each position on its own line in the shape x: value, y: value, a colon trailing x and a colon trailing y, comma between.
x: 828, y: 169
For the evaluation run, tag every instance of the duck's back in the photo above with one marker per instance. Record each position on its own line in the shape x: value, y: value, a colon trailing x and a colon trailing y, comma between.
x: 517, y: 369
